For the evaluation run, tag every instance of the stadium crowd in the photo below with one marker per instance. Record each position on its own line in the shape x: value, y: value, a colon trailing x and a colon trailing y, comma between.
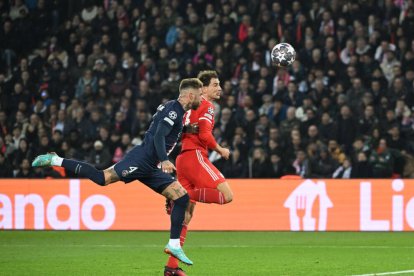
x: 83, y: 78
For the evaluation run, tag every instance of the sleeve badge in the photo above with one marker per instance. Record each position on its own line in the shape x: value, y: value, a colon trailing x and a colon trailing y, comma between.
x: 172, y: 115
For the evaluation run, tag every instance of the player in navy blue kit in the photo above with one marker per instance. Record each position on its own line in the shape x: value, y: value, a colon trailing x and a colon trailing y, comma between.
x: 148, y: 162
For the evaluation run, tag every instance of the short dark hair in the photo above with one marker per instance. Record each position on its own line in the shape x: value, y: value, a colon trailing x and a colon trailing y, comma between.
x: 190, y: 83
x: 206, y: 76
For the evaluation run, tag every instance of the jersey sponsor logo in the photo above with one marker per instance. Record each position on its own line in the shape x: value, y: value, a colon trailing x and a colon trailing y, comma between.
x: 208, y: 116
x: 210, y: 110
x: 172, y: 114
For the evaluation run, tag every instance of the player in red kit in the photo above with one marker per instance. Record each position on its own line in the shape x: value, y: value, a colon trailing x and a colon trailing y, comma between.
x: 202, y: 180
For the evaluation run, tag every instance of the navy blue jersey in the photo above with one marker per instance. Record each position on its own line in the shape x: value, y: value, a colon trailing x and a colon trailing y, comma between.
x: 142, y: 162
x: 170, y: 115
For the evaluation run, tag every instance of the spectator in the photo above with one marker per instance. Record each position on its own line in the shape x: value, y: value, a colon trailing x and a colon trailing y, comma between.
x: 328, y: 128
x: 301, y: 164
x: 25, y: 170
x: 336, y: 152
x: 72, y: 73
x: 346, y: 128
x: 344, y: 171
x: 277, y: 166
x: 323, y: 165
x: 362, y: 168
x: 261, y: 166
x: 382, y: 161
x: 368, y: 121
x: 290, y: 123
x: 235, y: 167
x: 226, y: 124
x: 6, y: 169
x: 22, y: 152
x: 87, y: 80
x: 100, y: 156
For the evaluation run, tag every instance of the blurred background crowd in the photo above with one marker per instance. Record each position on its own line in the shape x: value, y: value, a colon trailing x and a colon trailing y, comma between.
x: 83, y: 78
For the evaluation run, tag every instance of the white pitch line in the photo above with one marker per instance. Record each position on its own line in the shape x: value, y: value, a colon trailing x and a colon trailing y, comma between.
x: 216, y: 246
x: 387, y: 273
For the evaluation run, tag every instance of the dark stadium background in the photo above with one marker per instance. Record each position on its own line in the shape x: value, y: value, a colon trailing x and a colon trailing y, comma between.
x: 82, y: 78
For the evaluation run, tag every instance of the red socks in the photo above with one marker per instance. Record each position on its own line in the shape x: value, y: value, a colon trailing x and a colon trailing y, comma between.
x: 207, y: 195
x: 173, y: 262
x: 183, y: 234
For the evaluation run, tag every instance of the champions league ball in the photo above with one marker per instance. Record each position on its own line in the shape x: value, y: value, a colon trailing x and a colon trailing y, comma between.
x: 283, y: 54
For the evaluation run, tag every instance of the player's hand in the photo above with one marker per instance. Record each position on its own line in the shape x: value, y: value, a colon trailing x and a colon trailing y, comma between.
x: 167, y: 166
x: 225, y: 153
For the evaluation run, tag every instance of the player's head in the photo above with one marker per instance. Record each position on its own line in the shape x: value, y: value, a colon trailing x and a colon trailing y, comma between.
x: 211, y: 84
x: 190, y: 93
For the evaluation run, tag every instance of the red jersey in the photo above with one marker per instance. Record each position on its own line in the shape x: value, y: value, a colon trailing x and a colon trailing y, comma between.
x: 201, y: 122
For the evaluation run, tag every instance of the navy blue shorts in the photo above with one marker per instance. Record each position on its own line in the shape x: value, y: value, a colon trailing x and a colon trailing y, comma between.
x: 138, y: 165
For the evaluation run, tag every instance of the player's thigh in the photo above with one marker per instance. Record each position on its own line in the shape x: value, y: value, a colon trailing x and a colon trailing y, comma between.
x: 184, y: 169
x: 157, y: 180
x: 174, y: 191
x: 204, y: 174
x: 133, y: 166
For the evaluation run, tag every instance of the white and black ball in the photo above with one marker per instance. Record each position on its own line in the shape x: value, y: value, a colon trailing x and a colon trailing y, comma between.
x: 283, y: 54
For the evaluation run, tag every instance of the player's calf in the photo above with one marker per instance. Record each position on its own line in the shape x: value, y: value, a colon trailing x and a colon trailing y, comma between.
x: 169, y: 205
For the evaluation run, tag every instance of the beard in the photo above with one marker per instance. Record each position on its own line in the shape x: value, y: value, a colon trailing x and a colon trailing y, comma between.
x: 195, y: 105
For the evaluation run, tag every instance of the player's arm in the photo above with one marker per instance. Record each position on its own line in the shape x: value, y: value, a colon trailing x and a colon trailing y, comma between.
x: 205, y: 133
x: 163, y: 129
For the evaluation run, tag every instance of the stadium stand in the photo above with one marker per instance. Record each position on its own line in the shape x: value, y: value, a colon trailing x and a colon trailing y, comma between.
x: 82, y: 78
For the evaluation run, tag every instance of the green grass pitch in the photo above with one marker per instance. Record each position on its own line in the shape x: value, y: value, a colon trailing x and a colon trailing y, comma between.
x: 213, y: 253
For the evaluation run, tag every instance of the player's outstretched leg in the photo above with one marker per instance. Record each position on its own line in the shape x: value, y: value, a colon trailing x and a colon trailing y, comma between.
x: 79, y: 168
x: 181, y: 199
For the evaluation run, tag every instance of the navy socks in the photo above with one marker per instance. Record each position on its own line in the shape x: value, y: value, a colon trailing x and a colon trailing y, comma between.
x: 177, y: 216
x: 83, y: 169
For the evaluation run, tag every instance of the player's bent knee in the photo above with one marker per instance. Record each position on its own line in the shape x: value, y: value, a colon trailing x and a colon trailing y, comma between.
x: 228, y: 197
x: 224, y: 188
x: 174, y: 191
x: 110, y: 176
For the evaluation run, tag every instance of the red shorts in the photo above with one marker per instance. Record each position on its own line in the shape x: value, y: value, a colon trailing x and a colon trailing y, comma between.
x: 194, y: 170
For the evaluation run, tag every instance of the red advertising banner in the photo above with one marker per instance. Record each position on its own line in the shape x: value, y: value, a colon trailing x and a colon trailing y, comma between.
x: 258, y: 205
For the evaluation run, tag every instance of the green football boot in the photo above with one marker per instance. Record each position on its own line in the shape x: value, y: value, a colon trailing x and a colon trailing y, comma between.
x: 44, y: 160
x: 178, y: 253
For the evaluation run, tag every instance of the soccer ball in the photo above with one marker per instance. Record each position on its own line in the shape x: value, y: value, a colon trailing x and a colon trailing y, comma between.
x: 283, y: 54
